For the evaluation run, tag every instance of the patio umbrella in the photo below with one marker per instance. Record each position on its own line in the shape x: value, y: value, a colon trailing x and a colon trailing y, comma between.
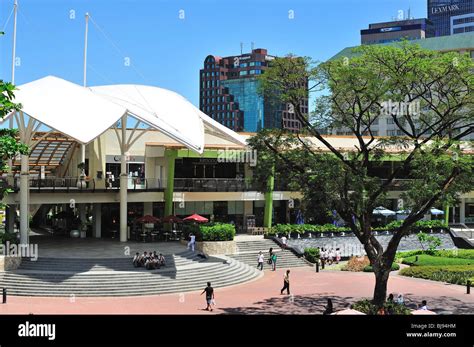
x: 383, y: 211
x: 147, y: 219
x: 171, y: 219
x: 436, y: 212
x: 417, y: 312
x: 348, y: 311
x: 196, y: 218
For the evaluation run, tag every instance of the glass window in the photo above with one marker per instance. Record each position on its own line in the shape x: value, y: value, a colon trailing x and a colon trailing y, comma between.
x: 390, y: 121
x: 252, y: 72
x: 252, y: 63
x: 243, y: 65
x: 258, y: 72
x: 243, y: 73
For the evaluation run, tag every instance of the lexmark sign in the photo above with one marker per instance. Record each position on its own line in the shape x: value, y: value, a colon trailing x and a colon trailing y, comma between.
x: 444, y: 9
x: 383, y: 30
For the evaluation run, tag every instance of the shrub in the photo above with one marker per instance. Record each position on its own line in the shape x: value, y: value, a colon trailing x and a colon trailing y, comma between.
x: 456, y: 274
x: 285, y: 229
x: 368, y: 268
x: 429, y: 241
x: 356, y: 264
x: 4, y: 237
x: 429, y: 260
x: 446, y: 253
x: 367, y: 307
x: 311, y: 254
x: 217, y: 232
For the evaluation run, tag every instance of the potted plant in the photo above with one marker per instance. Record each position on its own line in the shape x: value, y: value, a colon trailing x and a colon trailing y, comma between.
x: 81, y: 183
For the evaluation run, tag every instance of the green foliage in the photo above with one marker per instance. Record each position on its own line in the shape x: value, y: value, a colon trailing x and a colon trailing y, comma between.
x: 429, y: 260
x: 216, y: 232
x: 367, y: 307
x: 456, y: 274
x: 4, y: 237
x: 285, y: 229
x: 429, y: 242
x: 311, y: 254
x: 368, y: 268
x: 9, y: 144
x: 446, y: 253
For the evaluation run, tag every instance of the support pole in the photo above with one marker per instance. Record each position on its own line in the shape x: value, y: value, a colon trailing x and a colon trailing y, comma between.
x: 24, y: 208
x: 268, y: 214
x: 10, y: 122
x: 171, y: 156
x: 123, y: 184
x: 97, y: 217
x: 11, y: 214
x: 446, y: 214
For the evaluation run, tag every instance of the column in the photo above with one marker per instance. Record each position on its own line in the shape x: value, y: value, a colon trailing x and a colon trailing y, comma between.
x: 97, y: 220
x: 446, y: 213
x: 123, y: 184
x: 148, y: 208
x: 123, y: 198
x: 268, y: 213
x: 171, y: 156
x: 24, y: 208
x: 11, y: 214
x: 462, y: 211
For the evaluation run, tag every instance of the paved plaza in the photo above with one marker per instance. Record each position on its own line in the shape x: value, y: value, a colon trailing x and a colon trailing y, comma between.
x: 309, y: 290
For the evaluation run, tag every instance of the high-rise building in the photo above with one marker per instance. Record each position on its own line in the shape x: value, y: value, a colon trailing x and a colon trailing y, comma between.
x: 451, y: 16
x: 410, y: 29
x: 229, y: 94
x: 384, y: 125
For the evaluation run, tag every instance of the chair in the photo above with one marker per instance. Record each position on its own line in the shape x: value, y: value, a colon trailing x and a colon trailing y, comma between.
x: 144, y: 236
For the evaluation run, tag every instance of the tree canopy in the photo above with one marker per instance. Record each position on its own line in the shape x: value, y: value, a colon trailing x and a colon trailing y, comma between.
x: 428, y: 95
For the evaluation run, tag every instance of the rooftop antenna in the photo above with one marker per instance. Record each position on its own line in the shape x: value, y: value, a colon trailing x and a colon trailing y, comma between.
x: 408, y: 15
x: 252, y: 45
x: 241, y: 48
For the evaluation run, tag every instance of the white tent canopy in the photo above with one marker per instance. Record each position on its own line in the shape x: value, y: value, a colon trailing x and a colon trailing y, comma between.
x: 85, y: 113
x: 168, y: 110
x: 68, y: 108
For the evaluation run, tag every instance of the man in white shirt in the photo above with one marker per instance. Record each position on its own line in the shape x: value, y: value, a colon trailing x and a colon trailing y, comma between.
x: 192, y: 241
x: 283, y: 241
x: 261, y: 259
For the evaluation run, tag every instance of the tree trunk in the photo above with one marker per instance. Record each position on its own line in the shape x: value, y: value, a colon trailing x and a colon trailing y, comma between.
x: 382, y: 272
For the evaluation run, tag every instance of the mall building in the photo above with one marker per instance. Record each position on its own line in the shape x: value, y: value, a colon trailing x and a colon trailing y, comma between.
x: 146, y: 151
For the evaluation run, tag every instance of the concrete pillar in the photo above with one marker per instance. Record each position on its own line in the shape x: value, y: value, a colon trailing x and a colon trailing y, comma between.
x: 24, y: 208
x: 123, y: 198
x: 97, y: 220
x: 268, y: 213
x: 462, y: 211
x: 171, y: 156
x: 10, y: 214
x: 148, y: 208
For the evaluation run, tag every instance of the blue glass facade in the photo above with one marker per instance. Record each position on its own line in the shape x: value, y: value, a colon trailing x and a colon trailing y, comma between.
x: 251, y: 104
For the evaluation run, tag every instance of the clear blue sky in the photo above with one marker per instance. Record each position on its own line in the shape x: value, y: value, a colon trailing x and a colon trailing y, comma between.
x: 167, y: 51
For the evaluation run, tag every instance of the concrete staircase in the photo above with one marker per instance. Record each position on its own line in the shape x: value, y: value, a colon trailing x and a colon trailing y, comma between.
x: 117, y: 277
x: 248, y: 254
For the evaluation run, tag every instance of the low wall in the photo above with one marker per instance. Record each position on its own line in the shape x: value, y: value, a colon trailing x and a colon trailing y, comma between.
x: 9, y: 263
x: 215, y: 247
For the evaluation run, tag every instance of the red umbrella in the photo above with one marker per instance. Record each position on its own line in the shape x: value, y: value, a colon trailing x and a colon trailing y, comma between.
x: 196, y: 218
x: 147, y: 219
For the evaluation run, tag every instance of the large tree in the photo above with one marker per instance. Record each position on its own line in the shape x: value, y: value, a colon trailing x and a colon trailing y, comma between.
x: 428, y: 95
x: 9, y: 143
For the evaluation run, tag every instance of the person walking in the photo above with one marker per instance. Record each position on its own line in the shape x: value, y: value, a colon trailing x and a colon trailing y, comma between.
x: 274, y: 261
x: 209, y: 296
x: 286, y: 283
x: 260, y: 259
x: 192, y: 241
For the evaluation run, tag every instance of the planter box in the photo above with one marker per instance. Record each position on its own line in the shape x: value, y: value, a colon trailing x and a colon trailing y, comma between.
x: 215, y: 247
x: 9, y: 263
